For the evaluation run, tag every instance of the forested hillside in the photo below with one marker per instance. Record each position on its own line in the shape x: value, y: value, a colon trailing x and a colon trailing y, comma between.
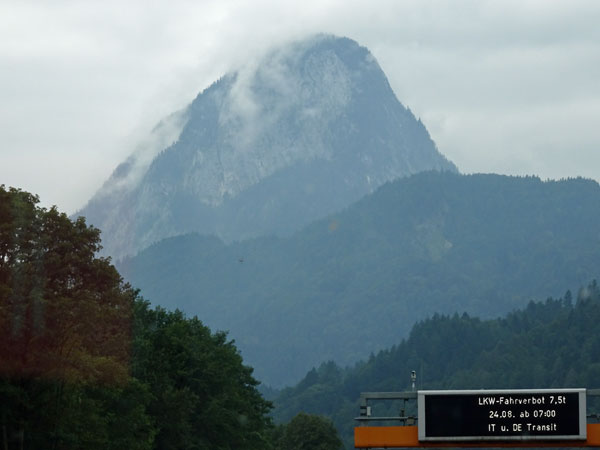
x: 555, y: 343
x: 357, y: 281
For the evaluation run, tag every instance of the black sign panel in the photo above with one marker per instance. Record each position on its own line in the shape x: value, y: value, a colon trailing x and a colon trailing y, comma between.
x: 538, y: 414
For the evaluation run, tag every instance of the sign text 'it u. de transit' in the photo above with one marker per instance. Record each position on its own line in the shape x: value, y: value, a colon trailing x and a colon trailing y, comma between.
x: 474, y: 415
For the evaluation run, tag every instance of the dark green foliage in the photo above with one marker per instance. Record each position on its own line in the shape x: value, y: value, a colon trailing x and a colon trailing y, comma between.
x: 203, y: 397
x: 357, y: 281
x: 64, y: 327
x: 85, y: 364
x: 308, y: 432
x: 547, y: 344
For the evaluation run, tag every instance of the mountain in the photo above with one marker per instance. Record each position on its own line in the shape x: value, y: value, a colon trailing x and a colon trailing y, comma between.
x: 293, y: 136
x: 356, y: 281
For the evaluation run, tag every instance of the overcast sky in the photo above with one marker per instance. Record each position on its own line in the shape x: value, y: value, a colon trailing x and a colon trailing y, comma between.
x: 509, y: 87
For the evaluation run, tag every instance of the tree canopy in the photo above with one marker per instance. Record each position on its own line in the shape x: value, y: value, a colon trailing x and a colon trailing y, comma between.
x: 86, y: 363
x: 65, y: 314
x: 308, y: 432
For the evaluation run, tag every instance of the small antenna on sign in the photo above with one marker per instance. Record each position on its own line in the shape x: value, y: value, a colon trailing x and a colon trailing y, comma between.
x: 413, y: 378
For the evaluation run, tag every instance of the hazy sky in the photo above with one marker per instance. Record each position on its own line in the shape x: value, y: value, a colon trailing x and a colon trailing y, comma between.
x: 503, y: 86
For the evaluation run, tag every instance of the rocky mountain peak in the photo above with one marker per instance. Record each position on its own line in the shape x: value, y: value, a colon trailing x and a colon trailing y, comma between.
x: 295, y: 135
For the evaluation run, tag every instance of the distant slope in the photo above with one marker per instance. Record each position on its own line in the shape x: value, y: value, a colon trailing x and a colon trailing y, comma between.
x: 291, y: 137
x: 357, y: 281
x: 554, y: 344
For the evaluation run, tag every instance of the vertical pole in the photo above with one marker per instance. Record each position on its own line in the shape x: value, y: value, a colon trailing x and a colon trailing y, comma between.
x: 363, y: 408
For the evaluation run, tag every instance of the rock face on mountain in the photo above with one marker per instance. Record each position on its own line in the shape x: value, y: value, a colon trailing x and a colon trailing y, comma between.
x: 302, y: 132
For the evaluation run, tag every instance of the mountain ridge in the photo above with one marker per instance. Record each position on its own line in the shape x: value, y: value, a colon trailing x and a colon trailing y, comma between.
x: 355, y: 281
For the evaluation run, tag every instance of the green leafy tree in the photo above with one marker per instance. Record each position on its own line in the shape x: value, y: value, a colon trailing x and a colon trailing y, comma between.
x: 308, y: 432
x: 203, y: 396
x: 65, y: 324
x: 65, y: 314
x: 85, y: 363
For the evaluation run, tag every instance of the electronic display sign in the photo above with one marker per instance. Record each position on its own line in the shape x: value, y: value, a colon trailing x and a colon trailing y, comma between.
x: 474, y: 415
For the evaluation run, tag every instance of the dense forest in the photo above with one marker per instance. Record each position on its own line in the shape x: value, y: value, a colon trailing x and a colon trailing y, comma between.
x: 357, y: 281
x: 551, y: 344
x: 85, y: 363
